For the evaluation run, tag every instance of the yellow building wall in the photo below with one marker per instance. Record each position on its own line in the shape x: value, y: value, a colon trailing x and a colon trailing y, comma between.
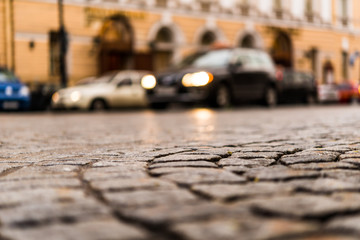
x: 41, y: 17
x: 2, y: 34
x: 32, y: 65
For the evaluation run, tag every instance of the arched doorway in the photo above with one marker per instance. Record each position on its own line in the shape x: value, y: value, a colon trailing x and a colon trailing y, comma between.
x: 116, y: 44
x: 328, y: 73
x: 207, y: 38
x: 282, y: 50
x: 248, y: 41
x: 163, y: 46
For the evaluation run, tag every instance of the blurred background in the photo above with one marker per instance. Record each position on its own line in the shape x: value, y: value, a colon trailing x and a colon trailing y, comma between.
x: 52, y: 44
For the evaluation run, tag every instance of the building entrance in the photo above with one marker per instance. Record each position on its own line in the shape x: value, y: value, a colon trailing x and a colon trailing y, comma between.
x: 282, y: 50
x: 116, y: 45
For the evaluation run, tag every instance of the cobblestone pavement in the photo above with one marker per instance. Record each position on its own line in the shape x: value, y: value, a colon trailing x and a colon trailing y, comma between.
x: 286, y: 173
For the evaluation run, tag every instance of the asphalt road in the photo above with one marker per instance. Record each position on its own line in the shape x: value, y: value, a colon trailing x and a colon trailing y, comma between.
x: 247, y: 173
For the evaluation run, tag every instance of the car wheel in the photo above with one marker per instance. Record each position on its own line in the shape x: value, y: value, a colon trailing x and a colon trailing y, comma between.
x: 310, y: 99
x: 98, y: 105
x: 222, y: 98
x: 270, y: 97
x: 159, y: 106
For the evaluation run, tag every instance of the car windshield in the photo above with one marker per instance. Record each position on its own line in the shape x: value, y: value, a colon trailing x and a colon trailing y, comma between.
x: 7, y: 77
x: 217, y: 58
x: 107, y: 77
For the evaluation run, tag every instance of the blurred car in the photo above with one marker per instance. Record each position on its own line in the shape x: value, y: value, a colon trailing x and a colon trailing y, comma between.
x: 218, y: 77
x: 14, y: 95
x: 297, y: 86
x: 111, y: 90
x: 348, y: 92
x: 41, y: 94
x: 328, y: 93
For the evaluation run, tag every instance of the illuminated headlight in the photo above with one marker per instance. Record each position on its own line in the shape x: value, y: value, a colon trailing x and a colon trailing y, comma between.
x: 148, y: 82
x: 55, y: 97
x: 75, y: 96
x: 197, y: 79
x: 24, y: 91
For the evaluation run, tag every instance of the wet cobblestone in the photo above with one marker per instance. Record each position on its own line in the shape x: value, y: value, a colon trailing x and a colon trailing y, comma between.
x: 286, y: 173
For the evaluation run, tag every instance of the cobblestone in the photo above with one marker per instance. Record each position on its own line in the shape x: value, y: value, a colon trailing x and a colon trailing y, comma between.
x: 258, y: 174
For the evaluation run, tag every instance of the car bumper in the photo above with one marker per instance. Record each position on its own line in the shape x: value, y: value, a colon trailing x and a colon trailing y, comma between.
x: 192, y: 95
x: 13, y: 103
x: 63, y: 104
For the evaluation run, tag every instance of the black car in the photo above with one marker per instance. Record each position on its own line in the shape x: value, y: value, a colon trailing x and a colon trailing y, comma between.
x: 297, y: 86
x: 218, y: 77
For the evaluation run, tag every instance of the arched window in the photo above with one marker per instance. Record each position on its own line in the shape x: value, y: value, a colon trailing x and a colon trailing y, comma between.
x: 207, y: 38
x: 248, y: 41
x: 163, y: 46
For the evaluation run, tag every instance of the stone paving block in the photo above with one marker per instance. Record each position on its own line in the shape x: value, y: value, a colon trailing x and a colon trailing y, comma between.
x: 278, y: 172
x: 187, y: 157
x: 309, y: 158
x: 183, y: 164
x: 249, y: 163
x: 46, y: 212
x: 101, y: 228
x: 345, y: 224
x: 190, y: 176
x: 250, y: 155
x: 28, y: 184
x: 220, y: 151
x: 328, y: 185
x: 351, y: 154
x: 323, y: 166
x: 285, y: 149
x: 343, y: 174
x: 118, y: 184
x: 244, y: 227
x: 16, y: 197
x: 165, y: 152
x: 104, y: 173
x: 241, y: 191
x: 41, y: 172
x: 353, y: 161
x: 149, y: 198
x: 337, y: 148
x: 309, y: 206
x: 76, y: 162
x: 196, y: 211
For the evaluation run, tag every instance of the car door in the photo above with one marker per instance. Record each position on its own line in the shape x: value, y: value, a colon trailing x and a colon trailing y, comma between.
x: 121, y: 96
x: 128, y: 91
x: 243, y: 76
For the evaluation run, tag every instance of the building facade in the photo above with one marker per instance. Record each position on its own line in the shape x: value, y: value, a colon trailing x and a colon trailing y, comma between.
x: 322, y: 36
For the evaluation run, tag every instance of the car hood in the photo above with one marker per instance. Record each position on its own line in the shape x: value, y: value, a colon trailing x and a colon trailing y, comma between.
x: 89, y: 88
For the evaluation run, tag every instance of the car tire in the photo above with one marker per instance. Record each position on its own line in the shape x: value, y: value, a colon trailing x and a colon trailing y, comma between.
x: 159, y: 106
x: 98, y: 105
x: 270, y: 97
x: 310, y: 99
x: 222, y: 97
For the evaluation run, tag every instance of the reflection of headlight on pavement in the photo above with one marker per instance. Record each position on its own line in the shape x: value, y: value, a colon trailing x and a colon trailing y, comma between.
x: 148, y: 82
x: 197, y: 79
x: 55, y: 97
x: 75, y: 96
x: 24, y: 91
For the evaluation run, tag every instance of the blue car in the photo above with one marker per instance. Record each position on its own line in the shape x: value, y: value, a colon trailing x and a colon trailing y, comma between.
x: 14, y: 95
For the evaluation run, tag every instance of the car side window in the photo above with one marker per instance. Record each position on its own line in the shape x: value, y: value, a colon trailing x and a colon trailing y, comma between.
x: 124, y: 82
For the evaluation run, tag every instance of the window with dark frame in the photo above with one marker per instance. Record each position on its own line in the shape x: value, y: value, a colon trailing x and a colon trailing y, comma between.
x: 54, y: 53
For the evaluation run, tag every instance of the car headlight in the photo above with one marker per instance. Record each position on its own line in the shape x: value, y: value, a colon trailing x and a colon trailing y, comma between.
x: 197, y: 79
x: 75, y: 96
x: 24, y: 91
x: 148, y: 82
x: 55, y: 97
